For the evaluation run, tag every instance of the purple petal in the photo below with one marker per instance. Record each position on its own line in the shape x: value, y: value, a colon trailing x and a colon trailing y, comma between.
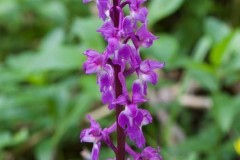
x: 147, y: 118
x: 91, y: 134
x: 148, y: 65
x: 136, y: 3
x: 140, y: 14
x: 90, y: 53
x: 113, y: 44
x: 138, y: 119
x: 146, y: 38
x: 109, y: 69
x: 123, y: 120
x: 149, y: 77
x: 136, y: 135
x: 108, y: 95
x: 138, y: 94
x: 104, y: 81
x: 103, y: 8
x: 125, y: 52
x: 90, y: 68
x: 122, y: 56
x: 95, y: 151
x: 105, y: 77
x: 128, y: 26
x: 94, y: 61
x: 131, y: 110
x: 122, y: 100
x: 107, y: 30
x: 150, y: 153
x: 94, y: 124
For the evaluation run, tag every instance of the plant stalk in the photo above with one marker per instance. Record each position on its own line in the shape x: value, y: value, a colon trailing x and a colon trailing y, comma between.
x: 121, y: 138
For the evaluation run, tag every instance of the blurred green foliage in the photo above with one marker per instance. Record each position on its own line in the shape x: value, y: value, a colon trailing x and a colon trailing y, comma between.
x: 44, y: 94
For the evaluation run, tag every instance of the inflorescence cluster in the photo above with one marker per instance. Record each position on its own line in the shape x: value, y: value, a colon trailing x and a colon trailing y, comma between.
x: 125, y: 35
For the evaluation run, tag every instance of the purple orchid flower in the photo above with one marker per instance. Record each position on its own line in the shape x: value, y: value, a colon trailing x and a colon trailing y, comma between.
x: 132, y: 119
x: 93, y: 135
x: 146, y: 71
x: 94, y: 61
x: 125, y: 35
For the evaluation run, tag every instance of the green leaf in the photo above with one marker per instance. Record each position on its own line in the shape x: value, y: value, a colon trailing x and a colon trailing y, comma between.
x: 225, y: 109
x: 202, y: 48
x: 53, y: 40
x: 61, y: 58
x: 209, y: 135
x: 89, y: 85
x: 7, y: 7
x: 5, y: 139
x: 216, y: 29
x: 55, y: 11
x: 76, y: 115
x: 85, y: 29
x: 20, y: 136
x: 45, y: 150
x: 159, y: 9
x: 220, y: 50
x: 204, y: 75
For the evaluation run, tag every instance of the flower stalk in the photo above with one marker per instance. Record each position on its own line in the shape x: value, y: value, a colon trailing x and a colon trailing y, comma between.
x: 121, y: 138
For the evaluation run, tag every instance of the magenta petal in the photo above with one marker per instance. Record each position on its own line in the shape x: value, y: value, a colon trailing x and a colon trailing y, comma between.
x: 108, y: 96
x: 94, y: 61
x: 95, y: 151
x: 150, y: 153
x: 103, y: 7
x: 113, y: 45
x: 140, y: 14
x: 109, y: 69
x: 107, y: 29
x: 105, y: 77
x: 147, y: 118
x: 90, y: 53
x: 128, y: 26
x: 104, y: 81
x: 123, y: 120
x: 122, y: 56
x: 150, y: 77
x: 146, y: 37
x: 131, y: 110
x: 94, y: 124
x: 148, y: 65
x: 125, y: 52
x: 137, y: 87
x: 135, y: 4
x: 138, y: 93
x: 138, y: 119
x: 136, y: 135
x: 91, y: 134
x: 90, y: 68
x: 122, y: 100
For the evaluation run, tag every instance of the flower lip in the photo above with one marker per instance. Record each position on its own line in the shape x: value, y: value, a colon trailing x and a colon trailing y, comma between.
x: 92, y: 134
x: 149, y: 153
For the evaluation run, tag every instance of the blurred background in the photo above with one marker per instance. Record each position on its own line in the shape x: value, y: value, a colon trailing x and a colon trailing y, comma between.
x: 45, y: 96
